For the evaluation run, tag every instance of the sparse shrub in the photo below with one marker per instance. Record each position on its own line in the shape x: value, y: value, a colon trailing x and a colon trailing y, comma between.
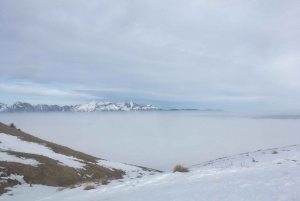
x: 139, y: 176
x: 61, y: 188
x: 104, y: 181
x: 275, y: 152
x: 89, y: 187
x: 12, y: 125
x: 180, y: 168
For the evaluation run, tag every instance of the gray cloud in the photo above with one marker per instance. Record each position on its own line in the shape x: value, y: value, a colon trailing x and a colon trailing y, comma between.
x: 161, y: 50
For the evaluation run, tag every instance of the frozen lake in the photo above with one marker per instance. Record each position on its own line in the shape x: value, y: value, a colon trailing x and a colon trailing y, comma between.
x: 160, y: 139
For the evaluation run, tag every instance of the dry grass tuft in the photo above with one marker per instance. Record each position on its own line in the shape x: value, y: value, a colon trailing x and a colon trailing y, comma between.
x: 275, y: 152
x: 104, y: 181
x: 61, y: 188
x: 89, y: 187
x: 180, y: 168
x: 72, y: 186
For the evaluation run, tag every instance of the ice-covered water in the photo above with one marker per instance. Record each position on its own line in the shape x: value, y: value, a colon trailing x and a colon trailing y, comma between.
x: 160, y: 139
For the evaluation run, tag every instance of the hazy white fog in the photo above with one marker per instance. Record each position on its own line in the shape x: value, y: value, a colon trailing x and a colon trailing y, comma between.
x: 159, y: 139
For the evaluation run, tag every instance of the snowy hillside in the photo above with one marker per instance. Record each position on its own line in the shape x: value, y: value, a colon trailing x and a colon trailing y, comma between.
x: 87, y: 107
x: 11, y: 144
x: 25, y: 159
x: 264, y: 175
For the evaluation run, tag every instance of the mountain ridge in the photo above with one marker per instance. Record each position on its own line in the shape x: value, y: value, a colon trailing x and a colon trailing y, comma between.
x: 94, y: 106
x: 86, y: 107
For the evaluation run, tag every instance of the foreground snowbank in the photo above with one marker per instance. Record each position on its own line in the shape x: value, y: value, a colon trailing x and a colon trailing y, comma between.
x: 261, y: 175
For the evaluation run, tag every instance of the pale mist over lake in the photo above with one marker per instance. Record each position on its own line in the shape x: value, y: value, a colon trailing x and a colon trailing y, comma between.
x: 161, y: 140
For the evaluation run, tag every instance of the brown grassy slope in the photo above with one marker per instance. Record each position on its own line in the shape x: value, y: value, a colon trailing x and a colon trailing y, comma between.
x: 55, y: 147
x: 50, y: 172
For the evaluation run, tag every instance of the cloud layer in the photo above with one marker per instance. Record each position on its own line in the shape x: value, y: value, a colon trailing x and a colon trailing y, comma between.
x: 188, y: 51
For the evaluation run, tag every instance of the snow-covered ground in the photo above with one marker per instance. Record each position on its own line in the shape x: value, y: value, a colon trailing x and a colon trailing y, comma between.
x: 11, y: 158
x: 12, y: 143
x: 262, y: 175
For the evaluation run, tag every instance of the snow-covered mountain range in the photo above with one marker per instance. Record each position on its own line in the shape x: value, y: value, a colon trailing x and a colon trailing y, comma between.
x: 87, y: 107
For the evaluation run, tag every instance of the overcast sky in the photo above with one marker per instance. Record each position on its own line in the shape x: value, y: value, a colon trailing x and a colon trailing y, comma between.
x: 196, y: 54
